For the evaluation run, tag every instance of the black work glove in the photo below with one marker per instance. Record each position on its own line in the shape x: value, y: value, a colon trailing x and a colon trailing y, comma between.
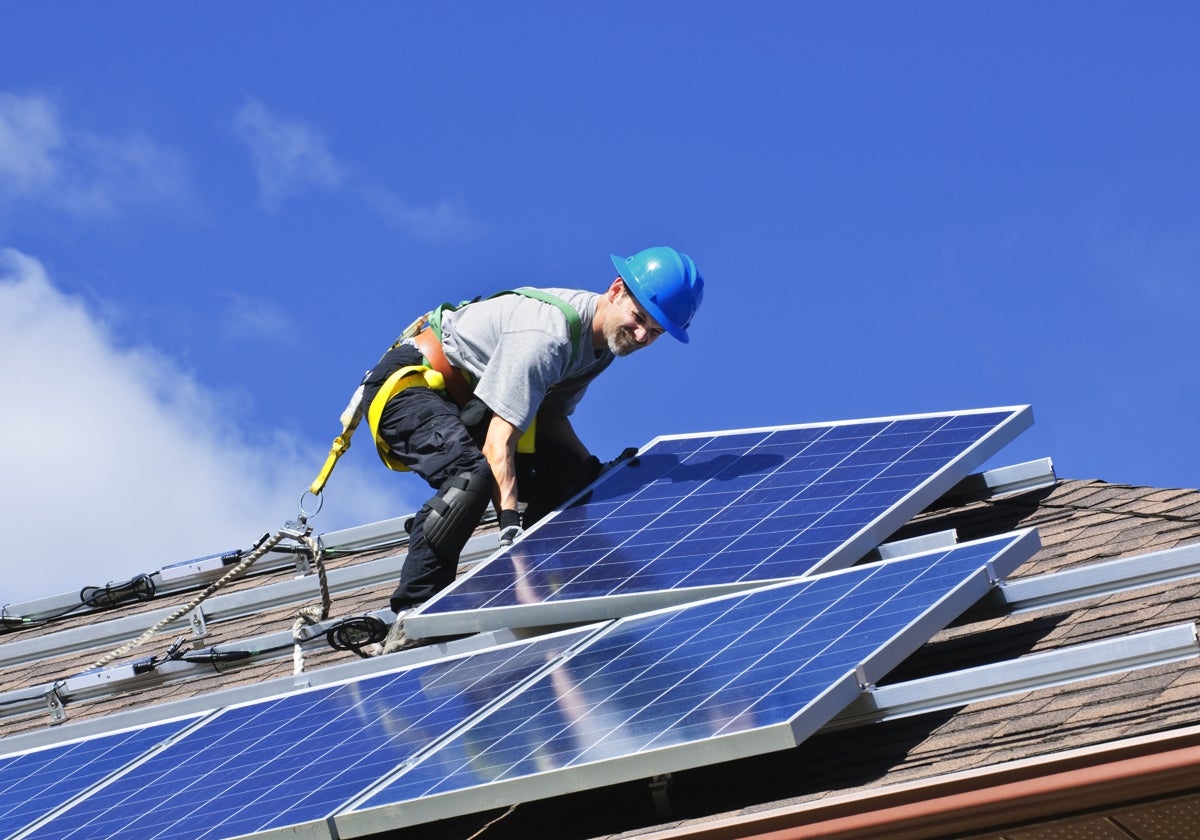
x: 474, y: 414
x: 627, y: 454
x: 510, y: 527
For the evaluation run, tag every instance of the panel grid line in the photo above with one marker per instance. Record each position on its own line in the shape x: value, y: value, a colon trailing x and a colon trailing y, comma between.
x: 69, y: 772
x: 725, y: 510
x: 652, y: 684
x: 290, y: 759
x: 770, y: 517
x: 645, y: 686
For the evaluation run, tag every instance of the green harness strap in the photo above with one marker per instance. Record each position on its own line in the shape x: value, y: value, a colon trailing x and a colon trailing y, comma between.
x: 404, y: 378
x: 574, y: 322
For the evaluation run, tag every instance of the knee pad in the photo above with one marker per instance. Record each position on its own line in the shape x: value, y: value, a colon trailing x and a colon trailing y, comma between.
x: 455, y: 511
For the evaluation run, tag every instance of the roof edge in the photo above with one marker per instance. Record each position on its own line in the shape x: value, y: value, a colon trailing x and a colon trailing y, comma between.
x: 1158, y: 765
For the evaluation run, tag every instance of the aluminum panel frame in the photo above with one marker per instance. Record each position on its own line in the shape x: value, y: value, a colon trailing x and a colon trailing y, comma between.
x: 1012, y: 550
x: 427, y: 621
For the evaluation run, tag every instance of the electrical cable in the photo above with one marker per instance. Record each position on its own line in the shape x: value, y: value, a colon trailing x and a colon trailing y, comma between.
x: 143, y: 588
x: 264, y: 545
x: 140, y: 588
x: 12, y: 623
x: 356, y: 633
x: 213, y: 656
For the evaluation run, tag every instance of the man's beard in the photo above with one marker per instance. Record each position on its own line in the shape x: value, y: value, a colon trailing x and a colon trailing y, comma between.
x: 621, y: 341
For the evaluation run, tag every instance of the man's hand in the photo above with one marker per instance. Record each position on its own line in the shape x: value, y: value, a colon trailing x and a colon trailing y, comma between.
x: 510, y: 527
x: 627, y: 454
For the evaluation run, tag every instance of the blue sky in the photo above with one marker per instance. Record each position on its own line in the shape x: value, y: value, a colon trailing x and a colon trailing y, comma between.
x: 214, y: 217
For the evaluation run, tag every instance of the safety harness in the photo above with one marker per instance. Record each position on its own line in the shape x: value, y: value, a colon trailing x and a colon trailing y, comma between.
x: 434, y: 372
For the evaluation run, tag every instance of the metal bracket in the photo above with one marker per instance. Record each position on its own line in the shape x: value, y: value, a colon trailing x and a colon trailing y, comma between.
x: 860, y: 674
x: 303, y: 563
x: 296, y: 528
x: 658, y: 792
x: 199, y: 624
x: 58, y: 709
x: 299, y: 530
x: 994, y: 578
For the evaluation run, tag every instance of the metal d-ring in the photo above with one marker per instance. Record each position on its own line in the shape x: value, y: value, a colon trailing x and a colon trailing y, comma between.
x: 320, y: 497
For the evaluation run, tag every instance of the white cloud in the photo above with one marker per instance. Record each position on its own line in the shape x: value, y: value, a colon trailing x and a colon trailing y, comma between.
x: 45, y: 162
x: 117, y: 461
x: 247, y: 318
x: 290, y: 157
x: 442, y: 221
x: 30, y: 137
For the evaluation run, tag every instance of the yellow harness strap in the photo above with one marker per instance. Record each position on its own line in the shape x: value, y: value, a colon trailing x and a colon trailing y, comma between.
x: 350, y: 417
x: 415, y: 375
x: 525, y: 443
x: 340, y: 444
x: 405, y: 377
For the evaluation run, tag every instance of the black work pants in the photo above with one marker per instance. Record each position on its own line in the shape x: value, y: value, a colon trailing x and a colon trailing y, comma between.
x: 549, y: 476
x: 422, y: 428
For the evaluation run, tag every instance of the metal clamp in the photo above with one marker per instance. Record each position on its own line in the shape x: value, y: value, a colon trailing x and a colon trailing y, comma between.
x: 58, y: 708
x: 199, y: 624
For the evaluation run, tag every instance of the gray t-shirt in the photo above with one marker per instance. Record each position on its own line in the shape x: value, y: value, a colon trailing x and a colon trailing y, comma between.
x: 519, y: 350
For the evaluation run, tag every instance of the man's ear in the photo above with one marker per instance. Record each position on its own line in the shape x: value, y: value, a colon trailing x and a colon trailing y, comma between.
x: 615, y: 290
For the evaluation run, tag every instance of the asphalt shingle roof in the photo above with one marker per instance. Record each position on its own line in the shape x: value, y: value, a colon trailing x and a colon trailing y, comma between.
x: 1080, y: 523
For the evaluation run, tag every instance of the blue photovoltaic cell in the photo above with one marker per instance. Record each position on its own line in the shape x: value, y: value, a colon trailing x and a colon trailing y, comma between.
x: 722, y: 509
x: 712, y: 669
x: 33, y: 784
x: 297, y: 758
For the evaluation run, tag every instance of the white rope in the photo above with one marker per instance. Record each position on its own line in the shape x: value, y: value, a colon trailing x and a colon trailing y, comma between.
x: 244, y: 564
x: 310, y: 615
x: 306, y: 616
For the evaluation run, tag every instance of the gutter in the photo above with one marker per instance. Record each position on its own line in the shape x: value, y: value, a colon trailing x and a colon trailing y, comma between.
x: 1003, y: 796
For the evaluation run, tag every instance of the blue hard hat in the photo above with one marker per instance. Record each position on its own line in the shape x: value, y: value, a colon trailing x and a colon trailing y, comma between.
x: 666, y: 283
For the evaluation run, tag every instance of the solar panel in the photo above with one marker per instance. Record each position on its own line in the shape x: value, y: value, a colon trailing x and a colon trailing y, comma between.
x: 727, y: 677
x: 717, y: 680
x: 35, y: 783
x: 698, y: 515
x: 296, y: 758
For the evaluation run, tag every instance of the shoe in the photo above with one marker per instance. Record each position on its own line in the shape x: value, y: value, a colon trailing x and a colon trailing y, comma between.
x: 396, y: 638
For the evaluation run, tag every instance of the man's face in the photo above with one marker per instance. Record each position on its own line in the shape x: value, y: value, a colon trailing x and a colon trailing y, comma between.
x: 628, y: 326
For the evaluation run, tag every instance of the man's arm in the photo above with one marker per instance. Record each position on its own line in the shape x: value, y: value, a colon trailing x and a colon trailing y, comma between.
x: 500, y: 449
x: 559, y: 428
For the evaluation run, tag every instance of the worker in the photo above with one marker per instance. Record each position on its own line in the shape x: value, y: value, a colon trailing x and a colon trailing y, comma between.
x: 506, y: 362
